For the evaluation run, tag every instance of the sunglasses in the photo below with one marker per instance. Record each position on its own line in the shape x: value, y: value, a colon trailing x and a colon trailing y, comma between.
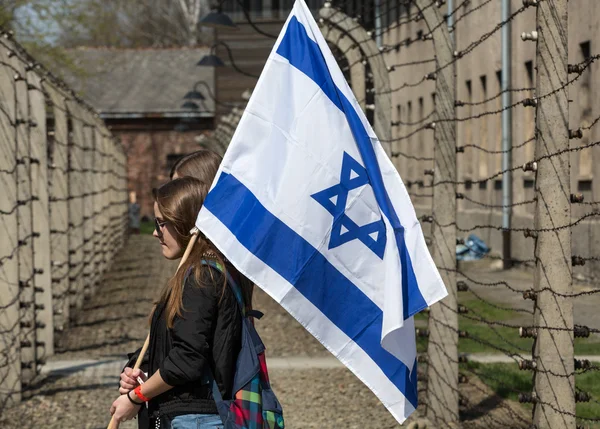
x: 158, y: 226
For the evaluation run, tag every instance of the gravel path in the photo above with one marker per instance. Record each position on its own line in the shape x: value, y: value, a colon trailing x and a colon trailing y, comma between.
x: 314, y: 393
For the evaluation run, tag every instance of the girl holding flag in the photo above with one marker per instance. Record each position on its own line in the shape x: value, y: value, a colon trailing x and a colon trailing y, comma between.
x: 195, y: 324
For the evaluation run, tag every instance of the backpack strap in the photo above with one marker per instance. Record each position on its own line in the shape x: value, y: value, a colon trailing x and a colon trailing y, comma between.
x: 237, y: 291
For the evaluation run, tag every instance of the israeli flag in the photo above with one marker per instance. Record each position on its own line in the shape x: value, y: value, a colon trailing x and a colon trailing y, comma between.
x: 308, y: 206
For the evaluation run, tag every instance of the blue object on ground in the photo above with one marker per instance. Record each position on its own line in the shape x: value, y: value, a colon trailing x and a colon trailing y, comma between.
x: 473, y: 249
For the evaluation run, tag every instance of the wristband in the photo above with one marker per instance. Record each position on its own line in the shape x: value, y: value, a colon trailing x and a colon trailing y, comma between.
x: 139, y: 394
x: 132, y: 401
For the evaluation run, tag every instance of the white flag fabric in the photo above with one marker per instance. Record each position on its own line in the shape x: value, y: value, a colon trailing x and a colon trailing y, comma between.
x: 308, y: 206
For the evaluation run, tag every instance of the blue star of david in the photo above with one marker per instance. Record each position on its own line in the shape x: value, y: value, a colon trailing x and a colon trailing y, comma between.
x: 344, y: 229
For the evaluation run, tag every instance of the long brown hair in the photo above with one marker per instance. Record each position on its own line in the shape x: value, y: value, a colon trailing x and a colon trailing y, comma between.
x: 202, y: 164
x: 179, y: 202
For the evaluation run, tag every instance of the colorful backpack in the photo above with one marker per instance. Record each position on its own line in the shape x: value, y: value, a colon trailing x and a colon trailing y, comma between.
x: 254, y: 406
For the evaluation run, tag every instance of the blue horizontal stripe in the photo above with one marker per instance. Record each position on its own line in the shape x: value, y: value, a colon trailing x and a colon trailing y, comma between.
x: 302, y: 265
x: 306, y: 56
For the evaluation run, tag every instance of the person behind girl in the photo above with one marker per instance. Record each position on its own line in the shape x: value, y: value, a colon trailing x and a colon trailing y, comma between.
x: 195, y: 324
x: 202, y: 164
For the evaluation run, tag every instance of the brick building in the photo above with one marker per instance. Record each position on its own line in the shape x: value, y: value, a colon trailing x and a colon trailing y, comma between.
x: 140, y: 95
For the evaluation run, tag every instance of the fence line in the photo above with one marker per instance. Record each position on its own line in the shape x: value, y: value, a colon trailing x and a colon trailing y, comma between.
x: 531, y: 326
x: 62, y: 212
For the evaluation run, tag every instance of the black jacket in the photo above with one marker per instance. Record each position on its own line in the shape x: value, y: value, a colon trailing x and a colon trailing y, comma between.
x: 208, y: 333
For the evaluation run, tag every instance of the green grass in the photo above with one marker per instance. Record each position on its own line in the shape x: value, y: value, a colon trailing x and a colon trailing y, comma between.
x: 490, y: 338
x: 505, y: 378
x: 147, y: 227
x: 493, y: 338
x: 508, y: 381
x: 589, y: 382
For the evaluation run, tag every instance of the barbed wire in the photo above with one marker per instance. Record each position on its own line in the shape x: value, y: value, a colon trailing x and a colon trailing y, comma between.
x: 585, y: 64
x: 417, y: 16
x: 495, y: 152
x: 458, y: 55
x: 496, y: 328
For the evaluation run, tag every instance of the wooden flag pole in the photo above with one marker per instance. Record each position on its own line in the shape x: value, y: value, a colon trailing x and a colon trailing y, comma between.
x: 195, y: 232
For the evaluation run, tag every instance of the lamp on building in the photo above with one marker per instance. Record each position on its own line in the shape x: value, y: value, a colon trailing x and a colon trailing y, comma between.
x: 194, y: 95
x: 212, y: 60
x: 191, y: 108
x: 218, y: 19
x: 190, y: 105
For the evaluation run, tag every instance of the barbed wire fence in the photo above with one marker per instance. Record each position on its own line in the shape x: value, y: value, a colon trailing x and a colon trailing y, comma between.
x: 219, y: 139
x: 63, y: 211
x: 447, y: 173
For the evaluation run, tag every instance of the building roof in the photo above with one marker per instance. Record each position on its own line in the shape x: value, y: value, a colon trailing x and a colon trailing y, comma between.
x: 149, y: 82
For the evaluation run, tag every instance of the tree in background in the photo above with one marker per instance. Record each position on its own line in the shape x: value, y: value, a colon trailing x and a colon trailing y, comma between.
x: 46, y: 27
x: 136, y: 23
x: 37, y: 25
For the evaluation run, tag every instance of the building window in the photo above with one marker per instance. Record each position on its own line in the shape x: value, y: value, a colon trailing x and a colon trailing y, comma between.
x: 172, y: 158
x: 529, y: 70
x: 584, y: 97
x: 498, y: 131
x: 483, y: 131
x: 468, y: 127
x: 498, y: 192
x: 529, y: 187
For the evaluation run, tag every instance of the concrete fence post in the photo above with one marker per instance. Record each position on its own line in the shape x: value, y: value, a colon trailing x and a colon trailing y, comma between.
x: 98, y: 189
x: 87, y: 270
x: 114, y: 196
x: 553, y: 314
x: 123, y: 196
x: 24, y: 225
x: 106, y: 198
x: 76, y: 189
x: 442, y: 350
x: 44, y: 333
x: 58, y: 188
